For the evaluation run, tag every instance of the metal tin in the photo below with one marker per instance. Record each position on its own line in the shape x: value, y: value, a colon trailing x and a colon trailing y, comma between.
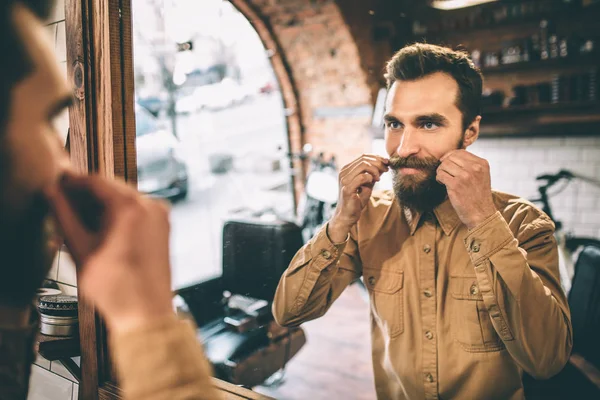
x: 58, y: 305
x: 58, y: 315
x: 58, y: 326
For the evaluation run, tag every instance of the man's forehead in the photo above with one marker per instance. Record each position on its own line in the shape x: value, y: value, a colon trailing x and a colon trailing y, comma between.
x: 36, y: 43
x: 434, y: 93
x: 45, y: 79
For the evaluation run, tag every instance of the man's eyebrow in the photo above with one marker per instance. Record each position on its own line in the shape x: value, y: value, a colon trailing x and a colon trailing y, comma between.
x: 435, y: 118
x: 59, y: 106
x: 390, y: 118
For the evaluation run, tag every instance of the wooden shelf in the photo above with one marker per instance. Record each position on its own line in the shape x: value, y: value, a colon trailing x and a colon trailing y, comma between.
x: 574, y: 107
x: 576, y: 118
x: 557, y: 63
x: 574, y: 16
x: 57, y: 347
x: 227, y: 391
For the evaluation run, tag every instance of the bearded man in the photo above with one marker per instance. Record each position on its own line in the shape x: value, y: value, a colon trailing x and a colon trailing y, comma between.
x: 463, y: 280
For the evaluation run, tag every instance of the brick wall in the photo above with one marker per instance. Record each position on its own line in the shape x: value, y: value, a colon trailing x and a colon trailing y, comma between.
x: 325, y: 65
x: 49, y: 379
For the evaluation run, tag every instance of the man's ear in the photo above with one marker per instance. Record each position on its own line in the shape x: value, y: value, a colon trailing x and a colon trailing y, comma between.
x: 472, y: 132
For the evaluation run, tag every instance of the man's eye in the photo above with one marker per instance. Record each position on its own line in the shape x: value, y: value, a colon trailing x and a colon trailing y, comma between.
x: 393, y: 125
x: 429, y: 126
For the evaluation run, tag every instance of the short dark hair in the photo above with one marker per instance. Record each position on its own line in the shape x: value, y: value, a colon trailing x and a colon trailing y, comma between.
x: 15, y: 63
x: 421, y: 59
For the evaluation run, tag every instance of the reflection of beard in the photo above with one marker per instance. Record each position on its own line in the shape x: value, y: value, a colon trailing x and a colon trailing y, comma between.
x: 415, y: 191
x: 26, y: 251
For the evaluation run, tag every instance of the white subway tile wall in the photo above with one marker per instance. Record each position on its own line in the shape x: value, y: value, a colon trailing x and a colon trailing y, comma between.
x: 67, y: 289
x: 520, y: 161
x: 46, y: 385
x: 61, y: 42
x: 515, y: 163
x: 42, y: 362
x: 58, y: 13
x: 53, y: 274
x: 67, y: 273
x: 58, y: 368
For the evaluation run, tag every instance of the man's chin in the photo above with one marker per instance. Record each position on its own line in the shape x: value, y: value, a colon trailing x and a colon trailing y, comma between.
x: 419, y: 194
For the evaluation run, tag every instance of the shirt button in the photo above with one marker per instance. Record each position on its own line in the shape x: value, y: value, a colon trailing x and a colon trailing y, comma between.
x: 427, y: 293
x: 326, y: 254
x: 371, y: 280
x: 429, y: 377
x: 427, y: 248
x: 475, y: 247
x: 429, y: 335
x: 474, y: 289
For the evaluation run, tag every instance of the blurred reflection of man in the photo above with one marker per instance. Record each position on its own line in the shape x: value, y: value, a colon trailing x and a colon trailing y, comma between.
x: 123, y: 266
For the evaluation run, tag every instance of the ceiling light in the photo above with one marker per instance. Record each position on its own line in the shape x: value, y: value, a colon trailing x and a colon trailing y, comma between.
x: 454, y: 4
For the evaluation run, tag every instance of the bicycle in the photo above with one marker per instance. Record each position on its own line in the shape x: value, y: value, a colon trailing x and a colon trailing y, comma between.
x: 568, y: 244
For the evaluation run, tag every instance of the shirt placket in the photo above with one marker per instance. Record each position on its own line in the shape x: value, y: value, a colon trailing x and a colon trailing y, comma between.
x: 427, y: 257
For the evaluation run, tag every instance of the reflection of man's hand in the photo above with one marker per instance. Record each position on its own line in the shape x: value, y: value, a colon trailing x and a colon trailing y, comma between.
x: 467, y: 179
x: 356, y: 185
x: 123, y: 254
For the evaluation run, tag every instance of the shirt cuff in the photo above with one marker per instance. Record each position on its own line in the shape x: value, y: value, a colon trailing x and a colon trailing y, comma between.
x: 338, y: 245
x: 323, y: 251
x: 487, y: 238
x: 161, y: 357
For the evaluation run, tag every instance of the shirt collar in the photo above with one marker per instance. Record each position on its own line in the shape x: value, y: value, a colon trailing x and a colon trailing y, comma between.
x: 445, y: 214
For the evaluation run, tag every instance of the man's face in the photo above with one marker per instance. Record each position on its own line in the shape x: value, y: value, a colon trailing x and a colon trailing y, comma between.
x: 422, y: 123
x: 31, y: 147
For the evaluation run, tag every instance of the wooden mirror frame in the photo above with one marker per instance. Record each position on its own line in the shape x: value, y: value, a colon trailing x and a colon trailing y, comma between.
x: 102, y: 139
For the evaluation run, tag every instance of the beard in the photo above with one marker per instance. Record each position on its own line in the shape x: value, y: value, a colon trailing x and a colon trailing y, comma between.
x: 420, y: 192
x: 27, y: 249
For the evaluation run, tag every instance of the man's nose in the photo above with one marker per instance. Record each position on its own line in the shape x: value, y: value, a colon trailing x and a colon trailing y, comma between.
x: 409, y: 145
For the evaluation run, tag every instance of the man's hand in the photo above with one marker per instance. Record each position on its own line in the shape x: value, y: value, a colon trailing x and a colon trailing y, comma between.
x: 467, y: 179
x: 356, y: 185
x: 124, y: 262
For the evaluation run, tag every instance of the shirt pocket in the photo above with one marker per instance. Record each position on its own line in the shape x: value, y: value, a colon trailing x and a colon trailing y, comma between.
x: 471, y: 325
x: 387, y: 298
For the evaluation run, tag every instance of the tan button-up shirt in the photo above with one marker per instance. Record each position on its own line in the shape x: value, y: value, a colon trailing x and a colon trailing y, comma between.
x: 455, y: 314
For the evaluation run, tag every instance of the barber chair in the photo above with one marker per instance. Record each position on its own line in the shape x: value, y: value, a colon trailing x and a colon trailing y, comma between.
x: 233, y: 312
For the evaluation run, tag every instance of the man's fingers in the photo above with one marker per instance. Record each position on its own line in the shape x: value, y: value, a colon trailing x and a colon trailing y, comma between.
x: 364, y: 179
x: 364, y: 166
x: 365, y: 195
x: 109, y: 193
x: 443, y: 177
x: 451, y: 166
x: 76, y: 236
x: 375, y: 159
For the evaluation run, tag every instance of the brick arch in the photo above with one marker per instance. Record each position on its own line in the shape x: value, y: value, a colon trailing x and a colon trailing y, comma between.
x: 318, y: 65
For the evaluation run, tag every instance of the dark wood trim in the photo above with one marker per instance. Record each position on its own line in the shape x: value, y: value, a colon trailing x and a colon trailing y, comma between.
x: 82, y: 146
x: 109, y: 392
x: 56, y: 347
x: 102, y: 134
x: 229, y: 391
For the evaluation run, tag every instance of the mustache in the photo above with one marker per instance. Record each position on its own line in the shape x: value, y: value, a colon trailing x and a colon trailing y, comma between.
x: 428, y: 163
